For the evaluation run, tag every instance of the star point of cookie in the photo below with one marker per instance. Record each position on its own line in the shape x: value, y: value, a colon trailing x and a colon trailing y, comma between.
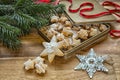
x: 51, y: 49
x: 91, y: 63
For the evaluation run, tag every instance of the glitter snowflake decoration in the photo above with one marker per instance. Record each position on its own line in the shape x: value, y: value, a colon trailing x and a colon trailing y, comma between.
x: 91, y: 63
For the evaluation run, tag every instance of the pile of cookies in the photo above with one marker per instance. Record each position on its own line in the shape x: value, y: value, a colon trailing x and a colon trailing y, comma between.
x: 69, y: 35
x: 37, y: 64
x: 63, y: 36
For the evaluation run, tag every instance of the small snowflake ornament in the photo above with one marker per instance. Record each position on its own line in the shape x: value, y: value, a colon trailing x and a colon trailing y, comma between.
x: 91, y: 63
x: 51, y: 49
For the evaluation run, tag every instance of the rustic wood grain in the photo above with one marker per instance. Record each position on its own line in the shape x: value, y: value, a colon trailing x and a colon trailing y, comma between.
x: 12, y: 69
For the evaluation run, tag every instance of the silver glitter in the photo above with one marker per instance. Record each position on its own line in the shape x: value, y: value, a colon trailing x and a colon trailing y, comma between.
x: 91, y: 63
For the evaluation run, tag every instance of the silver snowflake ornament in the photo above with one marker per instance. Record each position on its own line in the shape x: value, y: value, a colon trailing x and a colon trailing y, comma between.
x: 91, y: 63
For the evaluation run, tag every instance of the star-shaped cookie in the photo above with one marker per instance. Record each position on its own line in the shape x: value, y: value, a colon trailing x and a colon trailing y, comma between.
x: 51, y: 49
x: 91, y: 63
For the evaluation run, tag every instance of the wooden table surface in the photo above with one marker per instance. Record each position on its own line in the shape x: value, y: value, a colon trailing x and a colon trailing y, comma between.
x: 11, y: 62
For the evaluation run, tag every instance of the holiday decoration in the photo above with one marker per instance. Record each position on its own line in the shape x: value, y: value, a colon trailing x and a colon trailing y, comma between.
x: 91, y: 63
x: 51, y: 49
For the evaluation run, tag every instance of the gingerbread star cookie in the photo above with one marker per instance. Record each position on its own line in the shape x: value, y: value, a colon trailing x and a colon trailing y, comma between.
x: 51, y: 49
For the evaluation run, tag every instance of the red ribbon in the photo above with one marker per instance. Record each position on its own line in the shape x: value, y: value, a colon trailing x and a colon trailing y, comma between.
x: 87, y: 9
x: 106, y: 3
x: 115, y: 33
x: 42, y: 1
x: 114, y: 11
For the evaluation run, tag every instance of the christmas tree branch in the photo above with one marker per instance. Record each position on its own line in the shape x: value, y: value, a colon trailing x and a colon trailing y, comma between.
x: 9, y: 35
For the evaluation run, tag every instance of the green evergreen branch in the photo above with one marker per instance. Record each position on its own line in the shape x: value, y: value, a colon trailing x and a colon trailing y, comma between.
x: 59, y: 8
x: 9, y: 35
x: 23, y: 21
x: 34, y: 9
x: 40, y: 22
x: 6, y: 9
x: 5, y: 2
x: 21, y: 3
x: 17, y: 17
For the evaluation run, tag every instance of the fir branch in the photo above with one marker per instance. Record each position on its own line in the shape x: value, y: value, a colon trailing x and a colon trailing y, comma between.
x: 9, y: 35
x: 23, y: 21
x: 6, y: 9
x: 20, y: 3
x: 59, y: 8
x: 34, y: 9
x: 6, y: 2
x: 7, y: 19
x: 40, y: 22
x: 19, y: 16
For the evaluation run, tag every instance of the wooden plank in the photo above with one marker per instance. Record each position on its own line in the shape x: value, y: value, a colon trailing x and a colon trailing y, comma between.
x: 60, y: 69
x: 116, y: 60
